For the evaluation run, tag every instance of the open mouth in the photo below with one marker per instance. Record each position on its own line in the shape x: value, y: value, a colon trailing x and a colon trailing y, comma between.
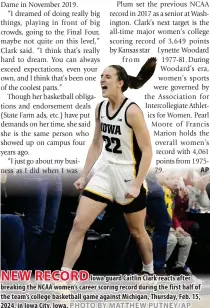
x: 104, y: 87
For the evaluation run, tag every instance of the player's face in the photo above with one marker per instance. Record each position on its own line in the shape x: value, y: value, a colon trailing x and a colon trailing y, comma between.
x: 110, y: 84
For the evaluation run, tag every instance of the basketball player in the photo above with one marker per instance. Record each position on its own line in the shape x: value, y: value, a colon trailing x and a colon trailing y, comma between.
x: 126, y: 159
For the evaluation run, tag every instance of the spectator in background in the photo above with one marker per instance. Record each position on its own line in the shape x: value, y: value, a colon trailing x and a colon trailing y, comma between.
x: 43, y: 201
x: 184, y: 240
x: 12, y: 243
x: 196, y: 186
x: 193, y: 223
x: 199, y: 203
x: 12, y: 238
x: 180, y: 217
x: 157, y: 212
x: 178, y: 235
x: 171, y: 183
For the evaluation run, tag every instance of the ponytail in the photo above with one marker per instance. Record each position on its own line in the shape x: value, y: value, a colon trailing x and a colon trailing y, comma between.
x: 143, y: 76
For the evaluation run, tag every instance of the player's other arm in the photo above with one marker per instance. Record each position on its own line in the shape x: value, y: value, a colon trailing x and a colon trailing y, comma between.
x: 136, y: 120
x: 95, y: 147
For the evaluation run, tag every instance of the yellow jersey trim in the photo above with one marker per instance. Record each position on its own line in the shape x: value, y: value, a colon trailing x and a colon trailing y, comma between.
x: 98, y: 194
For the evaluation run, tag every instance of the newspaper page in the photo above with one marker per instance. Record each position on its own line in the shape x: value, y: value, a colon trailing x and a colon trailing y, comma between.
x: 105, y: 181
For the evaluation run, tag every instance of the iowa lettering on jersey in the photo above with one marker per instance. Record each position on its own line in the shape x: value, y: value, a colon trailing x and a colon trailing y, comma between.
x: 111, y: 129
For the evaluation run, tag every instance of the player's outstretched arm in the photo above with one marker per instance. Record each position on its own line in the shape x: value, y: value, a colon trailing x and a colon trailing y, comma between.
x: 136, y: 120
x: 95, y: 147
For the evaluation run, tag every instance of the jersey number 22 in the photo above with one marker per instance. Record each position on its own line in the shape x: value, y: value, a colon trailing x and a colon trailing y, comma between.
x: 112, y: 144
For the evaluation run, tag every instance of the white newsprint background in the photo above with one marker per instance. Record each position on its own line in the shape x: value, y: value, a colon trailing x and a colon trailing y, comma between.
x: 52, y: 57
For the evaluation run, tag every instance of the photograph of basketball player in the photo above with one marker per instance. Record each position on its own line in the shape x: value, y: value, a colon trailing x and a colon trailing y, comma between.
x: 124, y: 164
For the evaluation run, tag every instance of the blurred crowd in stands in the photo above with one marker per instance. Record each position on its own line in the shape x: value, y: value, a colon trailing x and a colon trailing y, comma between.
x: 37, y: 212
